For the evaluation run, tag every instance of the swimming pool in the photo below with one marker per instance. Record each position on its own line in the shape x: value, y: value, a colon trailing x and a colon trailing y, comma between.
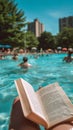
x: 45, y: 69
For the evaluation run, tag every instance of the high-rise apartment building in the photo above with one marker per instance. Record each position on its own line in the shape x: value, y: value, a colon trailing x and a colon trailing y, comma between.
x: 36, y: 27
x: 65, y: 22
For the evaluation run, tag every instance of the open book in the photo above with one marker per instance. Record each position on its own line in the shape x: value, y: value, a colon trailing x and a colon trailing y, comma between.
x: 48, y: 106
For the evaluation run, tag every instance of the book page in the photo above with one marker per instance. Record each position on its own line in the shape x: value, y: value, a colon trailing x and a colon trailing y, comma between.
x: 29, y: 100
x: 56, y: 105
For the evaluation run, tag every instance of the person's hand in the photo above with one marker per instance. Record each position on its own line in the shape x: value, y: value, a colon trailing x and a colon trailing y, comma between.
x: 18, y: 121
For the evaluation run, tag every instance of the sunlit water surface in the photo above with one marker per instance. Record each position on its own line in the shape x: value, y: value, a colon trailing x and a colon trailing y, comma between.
x: 45, y: 70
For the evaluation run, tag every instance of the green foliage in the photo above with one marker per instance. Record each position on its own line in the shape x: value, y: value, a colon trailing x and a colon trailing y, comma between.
x: 12, y: 22
x: 46, y: 41
x: 65, y: 38
x: 30, y: 40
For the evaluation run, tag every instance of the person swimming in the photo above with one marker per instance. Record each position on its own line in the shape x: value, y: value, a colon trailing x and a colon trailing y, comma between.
x: 68, y: 58
x: 25, y: 63
x: 15, y: 56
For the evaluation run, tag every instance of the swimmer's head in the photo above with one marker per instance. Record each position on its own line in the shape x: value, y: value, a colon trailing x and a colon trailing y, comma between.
x: 25, y: 59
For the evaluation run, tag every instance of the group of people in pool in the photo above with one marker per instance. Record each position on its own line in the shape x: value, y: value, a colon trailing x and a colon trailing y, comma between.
x: 25, y: 63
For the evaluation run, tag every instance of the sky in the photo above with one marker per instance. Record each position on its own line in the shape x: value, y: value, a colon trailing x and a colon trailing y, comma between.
x: 47, y: 12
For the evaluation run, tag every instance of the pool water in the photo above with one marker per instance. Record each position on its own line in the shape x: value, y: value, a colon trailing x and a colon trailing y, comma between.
x: 46, y: 69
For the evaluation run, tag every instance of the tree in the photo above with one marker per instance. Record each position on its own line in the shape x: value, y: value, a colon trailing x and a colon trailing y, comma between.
x: 12, y: 22
x: 46, y: 41
x: 30, y: 40
x: 65, y: 38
